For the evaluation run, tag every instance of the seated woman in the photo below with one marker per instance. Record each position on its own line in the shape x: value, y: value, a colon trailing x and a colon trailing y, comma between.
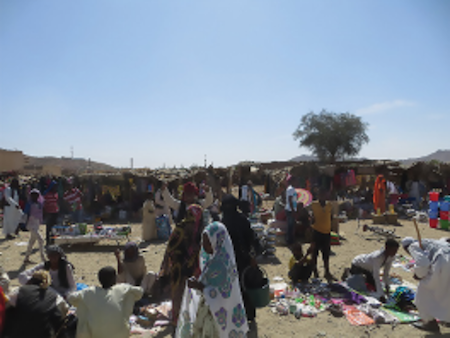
x: 35, y: 310
x: 60, y: 270
x: 132, y: 269
x: 212, y: 305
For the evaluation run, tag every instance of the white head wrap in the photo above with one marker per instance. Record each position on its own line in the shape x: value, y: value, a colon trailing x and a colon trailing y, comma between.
x: 407, y: 241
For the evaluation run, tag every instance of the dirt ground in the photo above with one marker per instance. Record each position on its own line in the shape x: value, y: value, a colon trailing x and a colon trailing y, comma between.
x: 88, y: 260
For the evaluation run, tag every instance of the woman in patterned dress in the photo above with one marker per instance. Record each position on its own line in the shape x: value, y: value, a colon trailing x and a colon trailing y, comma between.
x: 212, y: 304
x: 181, y: 257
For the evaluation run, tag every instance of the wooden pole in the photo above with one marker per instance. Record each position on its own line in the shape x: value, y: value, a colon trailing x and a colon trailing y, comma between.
x: 419, y: 238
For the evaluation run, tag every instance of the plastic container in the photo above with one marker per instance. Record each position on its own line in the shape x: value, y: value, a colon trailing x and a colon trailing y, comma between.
x: 445, y: 206
x: 391, y: 209
x: 447, y: 198
x: 434, y: 206
x: 434, y: 196
x: 444, y: 224
x: 443, y: 215
x: 433, y: 223
x: 433, y: 213
x: 260, y: 297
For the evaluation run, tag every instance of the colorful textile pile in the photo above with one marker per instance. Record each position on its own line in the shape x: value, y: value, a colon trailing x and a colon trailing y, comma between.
x: 357, y: 317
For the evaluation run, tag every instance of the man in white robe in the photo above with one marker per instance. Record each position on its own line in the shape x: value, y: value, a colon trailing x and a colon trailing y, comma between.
x: 432, y: 269
x: 12, y: 214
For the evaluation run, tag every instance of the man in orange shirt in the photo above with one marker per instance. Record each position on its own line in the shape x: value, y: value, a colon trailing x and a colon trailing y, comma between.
x: 322, y: 217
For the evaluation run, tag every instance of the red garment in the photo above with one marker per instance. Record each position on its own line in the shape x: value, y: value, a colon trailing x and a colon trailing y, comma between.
x: 51, y: 203
x: 2, y: 310
x: 281, y: 216
x: 73, y: 197
x: 379, y: 194
x: 189, y: 188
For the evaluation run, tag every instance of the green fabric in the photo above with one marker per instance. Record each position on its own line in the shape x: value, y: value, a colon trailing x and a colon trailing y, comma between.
x: 403, y: 317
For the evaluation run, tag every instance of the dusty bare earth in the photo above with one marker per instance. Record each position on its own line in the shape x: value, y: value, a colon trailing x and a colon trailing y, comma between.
x: 88, y: 260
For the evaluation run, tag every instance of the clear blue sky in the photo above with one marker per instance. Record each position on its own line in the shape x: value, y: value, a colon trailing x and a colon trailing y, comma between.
x: 167, y: 81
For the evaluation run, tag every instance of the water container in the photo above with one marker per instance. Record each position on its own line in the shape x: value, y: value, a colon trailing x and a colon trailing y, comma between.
x: 433, y: 223
x: 434, y: 196
x: 433, y: 213
x: 434, y: 206
x: 444, y: 223
x: 447, y: 198
x: 445, y: 206
x: 443, y: 215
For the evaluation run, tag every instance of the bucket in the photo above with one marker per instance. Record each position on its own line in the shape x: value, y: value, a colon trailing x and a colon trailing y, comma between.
x: 434, y: 196
x: 443, y: 215
x: 444, y: 223
x: 433, y: 213
x: 434, y: 206
x: 259, y: 297
x: 433, y: 223
x: 445, y: 206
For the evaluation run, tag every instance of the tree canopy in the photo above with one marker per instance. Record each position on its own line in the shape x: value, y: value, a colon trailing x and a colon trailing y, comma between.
x: 332, y: 136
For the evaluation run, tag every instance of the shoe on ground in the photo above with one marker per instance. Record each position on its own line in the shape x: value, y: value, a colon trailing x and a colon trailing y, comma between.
x: 431, y: 326
x: 336, y: 310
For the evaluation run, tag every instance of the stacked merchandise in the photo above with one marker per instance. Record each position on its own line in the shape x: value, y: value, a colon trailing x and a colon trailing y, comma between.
x: 434, y: 209
x: 266, y: 240
x: 82, y: 233
x: 438, y: 212
x: 444, y: 211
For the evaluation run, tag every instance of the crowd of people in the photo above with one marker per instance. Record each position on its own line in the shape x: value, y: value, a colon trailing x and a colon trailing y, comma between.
x: 205, y: 267
x: 199, y: 249
x: 24, y: 207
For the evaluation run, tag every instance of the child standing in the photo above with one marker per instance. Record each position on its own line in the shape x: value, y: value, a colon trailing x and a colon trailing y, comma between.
x: 34, y: 211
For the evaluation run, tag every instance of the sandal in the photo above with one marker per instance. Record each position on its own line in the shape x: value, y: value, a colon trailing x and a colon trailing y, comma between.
x: 336, y: 310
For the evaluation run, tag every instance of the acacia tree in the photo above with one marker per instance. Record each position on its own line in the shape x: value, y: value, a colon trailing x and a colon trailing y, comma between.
x: 332, y: 136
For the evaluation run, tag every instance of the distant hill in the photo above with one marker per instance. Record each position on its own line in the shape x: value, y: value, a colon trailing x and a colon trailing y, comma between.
x: 310, y: 158
x: 304, y: 158
x: 68, y: 164
x: 440, y: 155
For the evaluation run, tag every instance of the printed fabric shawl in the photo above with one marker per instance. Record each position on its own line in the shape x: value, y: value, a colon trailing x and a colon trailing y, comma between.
x: 222, y: 291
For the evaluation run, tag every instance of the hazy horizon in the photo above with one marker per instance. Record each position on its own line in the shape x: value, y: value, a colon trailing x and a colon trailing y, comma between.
x: 209, y: 163
x: 169, y: 82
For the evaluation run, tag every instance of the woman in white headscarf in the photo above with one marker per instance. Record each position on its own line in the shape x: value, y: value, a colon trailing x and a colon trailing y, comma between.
x: 217, y: 311
x: 432, y: 269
